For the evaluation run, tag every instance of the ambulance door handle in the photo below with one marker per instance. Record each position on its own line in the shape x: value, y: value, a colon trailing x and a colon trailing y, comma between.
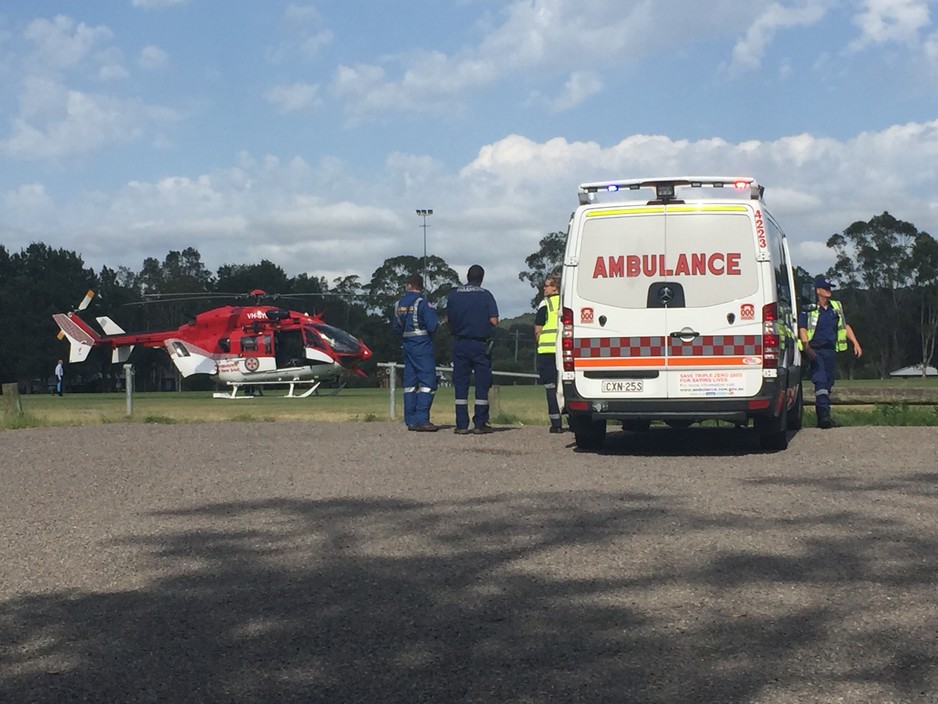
x: 685, y: 335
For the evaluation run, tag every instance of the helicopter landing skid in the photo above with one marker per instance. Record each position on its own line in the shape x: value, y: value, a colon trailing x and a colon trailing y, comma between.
x: 236, y: 385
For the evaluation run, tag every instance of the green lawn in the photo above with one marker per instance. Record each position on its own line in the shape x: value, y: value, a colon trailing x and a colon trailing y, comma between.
x: 512, y: 405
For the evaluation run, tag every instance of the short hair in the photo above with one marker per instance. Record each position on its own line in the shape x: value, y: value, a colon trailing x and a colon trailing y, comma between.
x: 415, y: 282
x: 475, y: 275
x: 552, y: 280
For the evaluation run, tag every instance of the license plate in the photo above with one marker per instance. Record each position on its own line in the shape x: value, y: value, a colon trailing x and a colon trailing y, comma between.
x: 623, y: 387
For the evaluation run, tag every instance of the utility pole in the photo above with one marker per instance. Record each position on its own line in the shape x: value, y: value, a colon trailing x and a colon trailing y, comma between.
x: 424, y: 213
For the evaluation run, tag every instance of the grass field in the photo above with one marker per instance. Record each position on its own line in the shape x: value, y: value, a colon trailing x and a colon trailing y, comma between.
x: 511, y: 405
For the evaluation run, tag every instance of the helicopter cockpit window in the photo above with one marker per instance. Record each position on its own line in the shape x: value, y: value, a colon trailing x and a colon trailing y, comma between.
x: 248, y: 344
x: 341, y: 341
x: 312, y: 338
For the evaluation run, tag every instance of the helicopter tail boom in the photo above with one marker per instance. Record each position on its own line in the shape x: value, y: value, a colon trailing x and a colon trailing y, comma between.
x: 81, y: 338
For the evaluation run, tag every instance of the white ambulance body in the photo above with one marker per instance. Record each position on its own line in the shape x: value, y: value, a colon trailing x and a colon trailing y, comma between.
x: 678, y: 305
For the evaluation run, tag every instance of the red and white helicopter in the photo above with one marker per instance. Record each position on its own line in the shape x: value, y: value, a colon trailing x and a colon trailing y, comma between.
x: 250, y: 345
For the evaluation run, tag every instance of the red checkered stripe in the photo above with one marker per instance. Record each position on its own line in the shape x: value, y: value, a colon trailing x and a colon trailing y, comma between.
x: 717, y: 346
x: 597, y: 347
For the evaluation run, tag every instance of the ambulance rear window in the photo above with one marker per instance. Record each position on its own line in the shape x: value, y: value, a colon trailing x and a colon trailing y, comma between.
x: 710, y: 254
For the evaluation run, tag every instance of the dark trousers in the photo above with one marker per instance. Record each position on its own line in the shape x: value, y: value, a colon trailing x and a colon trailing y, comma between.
x: 469, y: 356
x: 547, y: 373
x: 822, y: 375
x: 419, y: 380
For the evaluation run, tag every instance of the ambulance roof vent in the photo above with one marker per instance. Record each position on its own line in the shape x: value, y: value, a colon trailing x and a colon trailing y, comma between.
x: 670, y: 190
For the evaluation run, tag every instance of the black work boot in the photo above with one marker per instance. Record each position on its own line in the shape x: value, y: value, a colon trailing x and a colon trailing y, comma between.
x: 824, y: 418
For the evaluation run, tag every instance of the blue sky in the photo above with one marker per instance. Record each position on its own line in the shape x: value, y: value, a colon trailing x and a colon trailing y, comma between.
x: 308, y: 133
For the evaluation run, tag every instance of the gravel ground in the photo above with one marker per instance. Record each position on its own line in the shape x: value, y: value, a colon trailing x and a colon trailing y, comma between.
x: 341, y: 562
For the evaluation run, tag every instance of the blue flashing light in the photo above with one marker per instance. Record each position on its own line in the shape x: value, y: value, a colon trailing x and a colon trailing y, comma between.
x: 612, y: 188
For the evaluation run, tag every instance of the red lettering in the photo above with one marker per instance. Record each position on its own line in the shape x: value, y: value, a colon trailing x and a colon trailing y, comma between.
x: 651, y: 265
x: 599, y: 271
x: 714, y: 263
x: 633, y: 266
x: 732, y: 263
x: 681, y: 268
x: 648, y: 264
x: 698, y: 264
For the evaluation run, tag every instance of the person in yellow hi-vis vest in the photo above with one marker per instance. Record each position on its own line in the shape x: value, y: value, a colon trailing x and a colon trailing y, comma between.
x: 823, y: 331
x: 546, y: 327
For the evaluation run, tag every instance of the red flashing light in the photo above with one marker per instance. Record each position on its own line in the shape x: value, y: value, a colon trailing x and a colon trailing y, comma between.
x: 566, y: 338
x: 771, y: 350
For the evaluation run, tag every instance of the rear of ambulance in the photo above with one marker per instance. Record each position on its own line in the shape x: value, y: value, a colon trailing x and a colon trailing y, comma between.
x: 668, y: 310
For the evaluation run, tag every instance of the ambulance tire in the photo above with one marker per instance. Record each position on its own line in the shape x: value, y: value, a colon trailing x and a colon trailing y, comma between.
x: 773, y: 432
x: 796, y: 412
x: 589, y: 434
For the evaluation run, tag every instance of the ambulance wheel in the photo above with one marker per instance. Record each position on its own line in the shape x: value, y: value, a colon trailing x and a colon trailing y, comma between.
x: 589, y: 434
x: 773, y: 432
x: 796, y: 413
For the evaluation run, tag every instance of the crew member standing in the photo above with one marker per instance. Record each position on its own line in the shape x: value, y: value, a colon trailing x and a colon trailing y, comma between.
x: 59, y: 377
x: 471, y: 314
x: 415, y: 321
x: 546, y: 321
x: 823, y: 331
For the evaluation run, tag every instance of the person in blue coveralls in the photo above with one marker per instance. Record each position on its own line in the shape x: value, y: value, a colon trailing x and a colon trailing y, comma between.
x: 823, y: 331
x: 415, y: 321
x: 471, y: 314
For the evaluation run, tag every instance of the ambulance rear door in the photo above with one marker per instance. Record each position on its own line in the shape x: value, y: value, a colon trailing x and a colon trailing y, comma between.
x: 619, y: 345
x: 707, y: 290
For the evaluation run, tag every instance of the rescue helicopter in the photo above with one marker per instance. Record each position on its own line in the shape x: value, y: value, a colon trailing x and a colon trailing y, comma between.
x: 238, y: 345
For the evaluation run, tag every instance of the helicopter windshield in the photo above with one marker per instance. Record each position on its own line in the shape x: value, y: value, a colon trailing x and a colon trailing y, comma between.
x: 340, y: 341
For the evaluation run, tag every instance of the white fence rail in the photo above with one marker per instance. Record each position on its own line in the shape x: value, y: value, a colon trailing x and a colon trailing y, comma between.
x: 391, y: 367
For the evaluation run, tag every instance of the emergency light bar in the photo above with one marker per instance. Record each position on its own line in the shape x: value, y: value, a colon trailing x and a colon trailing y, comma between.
x: 666, y: 189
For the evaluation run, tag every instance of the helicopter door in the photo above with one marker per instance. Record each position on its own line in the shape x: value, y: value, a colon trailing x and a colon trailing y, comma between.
x: 290, y: 351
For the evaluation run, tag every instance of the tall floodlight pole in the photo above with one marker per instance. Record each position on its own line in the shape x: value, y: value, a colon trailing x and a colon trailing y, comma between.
x: 424, y: 213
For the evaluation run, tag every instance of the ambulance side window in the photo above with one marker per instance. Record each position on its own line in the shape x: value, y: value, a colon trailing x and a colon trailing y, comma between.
x: 781, y: 263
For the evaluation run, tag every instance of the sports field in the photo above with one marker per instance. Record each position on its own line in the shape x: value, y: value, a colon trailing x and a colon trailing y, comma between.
x: 511, y: 405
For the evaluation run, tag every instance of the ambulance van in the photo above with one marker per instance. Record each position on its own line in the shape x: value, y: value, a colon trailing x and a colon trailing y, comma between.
x: 678, y: 306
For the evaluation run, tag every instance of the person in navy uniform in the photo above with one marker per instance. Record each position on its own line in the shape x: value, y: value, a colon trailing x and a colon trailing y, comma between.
x: 471, y: 314
x: 415, y: 321
x: 824, y: 331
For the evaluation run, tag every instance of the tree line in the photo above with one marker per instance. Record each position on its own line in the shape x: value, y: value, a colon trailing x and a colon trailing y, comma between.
x: 40, y: 280
x: 886, y: 272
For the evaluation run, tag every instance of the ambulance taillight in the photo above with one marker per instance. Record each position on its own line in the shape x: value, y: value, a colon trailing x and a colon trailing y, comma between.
x: 566, y: 338
x: 771, y: 352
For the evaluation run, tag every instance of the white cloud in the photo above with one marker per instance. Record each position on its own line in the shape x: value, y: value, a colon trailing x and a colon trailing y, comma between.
x: 494, y: 209
x: 152, y: 57
x: 749, y: 51
x: 297, y: 96
x: 580, y: 86
x: 547, y: 39
x: 60, y: 123
x: 883, y: 21
x: 61, y: 42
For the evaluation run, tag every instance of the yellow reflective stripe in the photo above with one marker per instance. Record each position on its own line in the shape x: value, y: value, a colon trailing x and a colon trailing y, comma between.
x: 647, y: 209
x: 624, y: 211
x: 707, y: 209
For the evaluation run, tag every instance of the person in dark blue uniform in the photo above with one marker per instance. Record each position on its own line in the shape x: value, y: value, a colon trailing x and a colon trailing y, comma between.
x: 415, y: 321
x: 471, y: 314
x: 823, y: 331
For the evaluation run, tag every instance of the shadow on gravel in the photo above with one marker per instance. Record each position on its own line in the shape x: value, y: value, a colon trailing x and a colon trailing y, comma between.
x: 387, y: 601
x: 696, y: 441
